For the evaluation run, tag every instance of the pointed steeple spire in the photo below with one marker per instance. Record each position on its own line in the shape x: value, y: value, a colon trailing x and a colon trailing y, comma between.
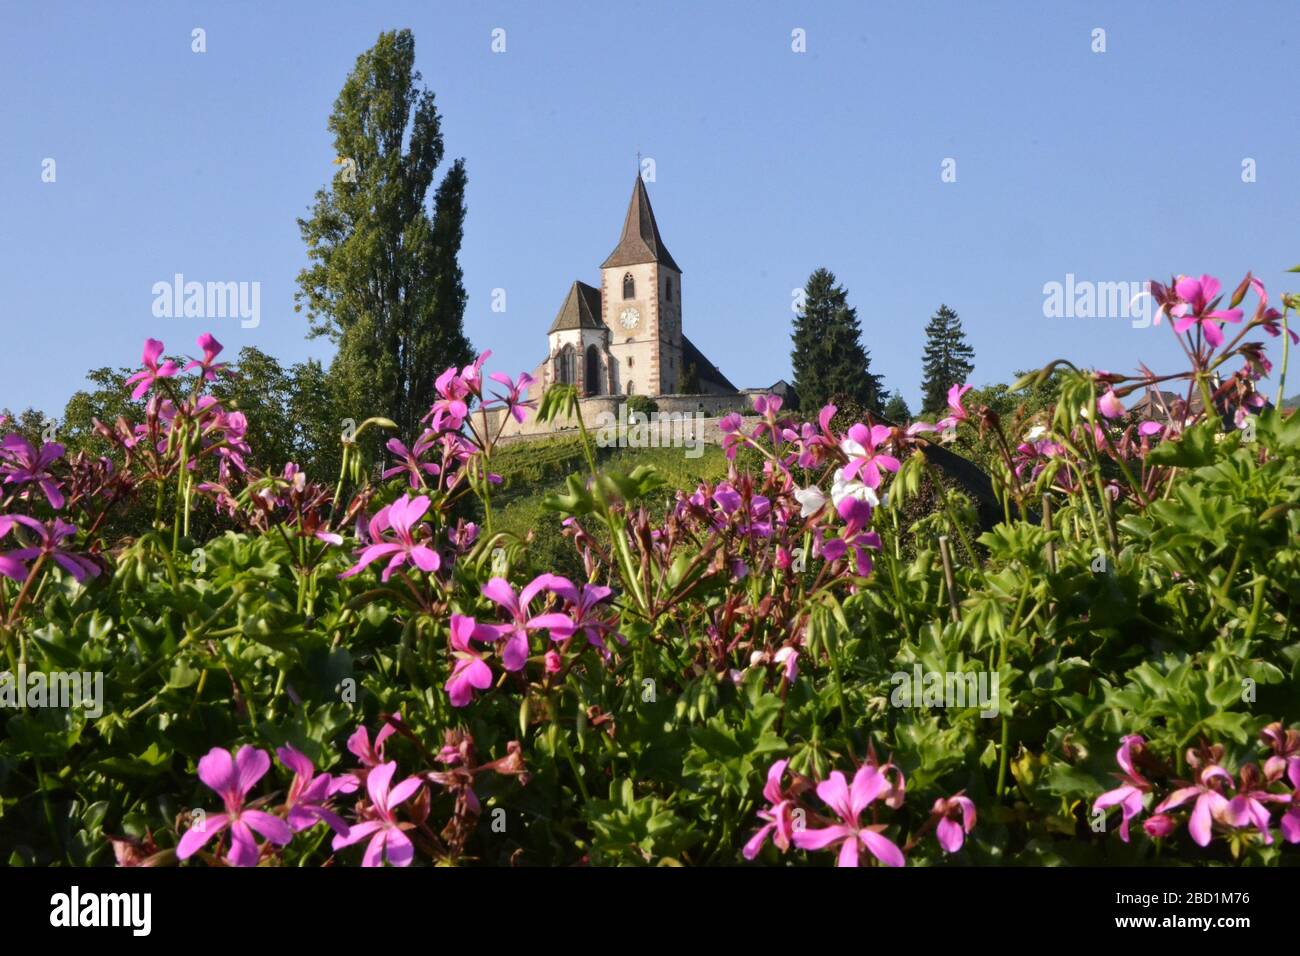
x: 641, y: 241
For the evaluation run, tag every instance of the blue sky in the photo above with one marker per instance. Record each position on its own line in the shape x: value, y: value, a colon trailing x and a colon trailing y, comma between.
x: 1114, y: 166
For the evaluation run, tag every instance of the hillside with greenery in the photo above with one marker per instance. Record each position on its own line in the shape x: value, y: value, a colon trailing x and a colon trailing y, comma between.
x: 556, y: 654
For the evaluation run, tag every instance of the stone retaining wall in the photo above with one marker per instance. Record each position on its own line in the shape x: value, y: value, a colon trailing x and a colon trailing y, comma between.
x: 662, y: 434
x: 713, y: 406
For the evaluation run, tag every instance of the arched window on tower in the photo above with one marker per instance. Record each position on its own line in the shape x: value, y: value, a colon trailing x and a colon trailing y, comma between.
x: 593, y: 370
x: 629, y: 286
x: 668, y: 282
x: 564, y: 366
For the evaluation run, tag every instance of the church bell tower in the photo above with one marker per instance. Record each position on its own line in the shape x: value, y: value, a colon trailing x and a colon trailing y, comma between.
x: 641, y: 296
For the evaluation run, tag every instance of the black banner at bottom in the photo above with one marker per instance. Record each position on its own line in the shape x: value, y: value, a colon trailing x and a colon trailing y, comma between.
x: 129, y: 906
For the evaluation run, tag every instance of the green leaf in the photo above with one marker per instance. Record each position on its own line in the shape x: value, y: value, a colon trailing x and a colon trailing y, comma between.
x: 182, y: 675
x: 1196, y: 447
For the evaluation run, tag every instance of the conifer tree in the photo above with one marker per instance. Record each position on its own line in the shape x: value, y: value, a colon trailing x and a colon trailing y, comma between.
x: 828, y: 358
x: 947, y: 360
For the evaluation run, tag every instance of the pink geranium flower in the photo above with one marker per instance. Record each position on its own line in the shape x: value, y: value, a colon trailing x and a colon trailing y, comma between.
x: 514, y: 404
x: 848, y: 804
x: 1285, y: 745
x: 1197, y: 298
x: 1210, y: 805
x: 779, y: 815
x: 768, y: 406
x: 860, y: 446
x: 957, y: 413
x: 211, y: 349
x: 1290, y: 822
x: 308, y: 794
x: 1110, y: 405
x: 387, y: 839
x: 49, y: 544
x: 1267, y: 317
x: 895, y: 792
x: 152, y: 370
x: 1248, y: 806
x: 1130, y: 794
x: 455, y: 388
x: 816, y: 440
x: 232, y: 779
x: 21, y: 464
x: 401, y: 519
x: 1158, y: 826
x: 452, y: 391
x: 956, y: 819
x: 411, y: 459
x: 727, y: 498
x: 584, y: 600
x: 515, y: 633
x: 370, y: 756
x: 855, y: 537
x: 732, y: 434
x: 469, y: 673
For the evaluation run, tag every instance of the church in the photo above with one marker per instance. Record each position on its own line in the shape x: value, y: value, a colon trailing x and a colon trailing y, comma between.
x: 625, y: 337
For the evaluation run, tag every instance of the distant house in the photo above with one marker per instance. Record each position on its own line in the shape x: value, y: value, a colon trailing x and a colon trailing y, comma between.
x: 1164, y: 406
x: 780, y: 387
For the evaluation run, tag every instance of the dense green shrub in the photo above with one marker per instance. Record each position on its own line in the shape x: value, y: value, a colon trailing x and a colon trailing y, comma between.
x: 724, y: 653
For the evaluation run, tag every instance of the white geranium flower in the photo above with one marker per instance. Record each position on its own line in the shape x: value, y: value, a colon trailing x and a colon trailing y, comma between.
x: 811, y: 500
x: 841, y: 489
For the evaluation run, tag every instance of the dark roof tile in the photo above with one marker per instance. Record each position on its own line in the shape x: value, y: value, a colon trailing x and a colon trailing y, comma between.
x: 705, y: 369
x: 581, y: 309
x: 641, y: 241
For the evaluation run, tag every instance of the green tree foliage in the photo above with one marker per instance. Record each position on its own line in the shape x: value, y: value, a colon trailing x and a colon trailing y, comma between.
x: 105, y: 400
x: 1016, y: 411
x: 896, y: 409
x: 828, y: 358
x: 290, y: 411
x: 641, y: 404
x: 384, y: 282
x: 30, y: 423
x: 948, y: 359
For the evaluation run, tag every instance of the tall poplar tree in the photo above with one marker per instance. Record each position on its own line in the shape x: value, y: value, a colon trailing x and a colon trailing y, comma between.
x: 947, y: 360
x: 384, y: 282
x: 828, y: 358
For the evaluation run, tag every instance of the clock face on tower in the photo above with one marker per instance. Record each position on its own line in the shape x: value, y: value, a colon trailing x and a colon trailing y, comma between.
x: 629, y: 318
